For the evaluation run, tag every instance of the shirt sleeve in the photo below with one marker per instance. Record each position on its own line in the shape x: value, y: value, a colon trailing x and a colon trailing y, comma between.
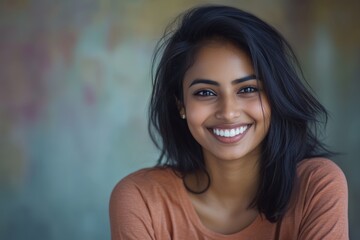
x: 325, y: 214
x: 129, y: 214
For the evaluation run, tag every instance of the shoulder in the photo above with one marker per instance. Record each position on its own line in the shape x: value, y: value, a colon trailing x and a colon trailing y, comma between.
x: 320, y: 169
x: 320, y: 177
x: 150, y: 176
x: 320, y: 200
x: 321, y: 187
x: 136, y: 202
x: 145, y: 183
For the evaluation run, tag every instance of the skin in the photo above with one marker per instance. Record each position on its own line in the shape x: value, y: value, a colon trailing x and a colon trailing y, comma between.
x: 229, y: 98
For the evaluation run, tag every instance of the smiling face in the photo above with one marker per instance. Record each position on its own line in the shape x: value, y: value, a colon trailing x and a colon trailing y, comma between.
x: 226, y: 108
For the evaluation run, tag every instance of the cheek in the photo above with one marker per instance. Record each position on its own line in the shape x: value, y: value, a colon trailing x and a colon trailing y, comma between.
x: 195, y: 117
x: 260, y: 112
x: 193, y: 108
x: 197, y: 113
x: 265, y: 115
x: 266, y: 110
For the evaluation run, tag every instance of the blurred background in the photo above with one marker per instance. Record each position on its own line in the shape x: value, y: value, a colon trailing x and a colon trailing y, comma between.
x: 74, y: 88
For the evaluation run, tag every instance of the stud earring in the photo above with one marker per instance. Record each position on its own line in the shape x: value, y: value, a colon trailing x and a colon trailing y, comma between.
x: 182, y: 112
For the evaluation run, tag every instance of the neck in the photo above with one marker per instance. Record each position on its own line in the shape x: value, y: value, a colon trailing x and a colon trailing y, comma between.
x: 233, y: 182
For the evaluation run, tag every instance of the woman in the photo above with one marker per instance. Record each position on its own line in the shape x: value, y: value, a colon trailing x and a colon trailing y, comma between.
x: 240, y: 157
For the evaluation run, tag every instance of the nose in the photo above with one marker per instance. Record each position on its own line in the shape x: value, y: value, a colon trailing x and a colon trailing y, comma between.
x: 228, y: 109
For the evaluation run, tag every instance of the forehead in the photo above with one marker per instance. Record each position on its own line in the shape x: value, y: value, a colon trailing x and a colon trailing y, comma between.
x: 216, y: 60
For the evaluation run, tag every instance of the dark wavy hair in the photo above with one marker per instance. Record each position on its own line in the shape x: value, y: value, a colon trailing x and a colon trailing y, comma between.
x: 295, y: 113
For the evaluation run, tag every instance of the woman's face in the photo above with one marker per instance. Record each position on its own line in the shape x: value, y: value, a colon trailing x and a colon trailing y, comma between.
x: 226, y: 108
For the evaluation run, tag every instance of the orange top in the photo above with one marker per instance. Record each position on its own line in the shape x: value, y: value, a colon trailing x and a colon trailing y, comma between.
x: 153, y: 204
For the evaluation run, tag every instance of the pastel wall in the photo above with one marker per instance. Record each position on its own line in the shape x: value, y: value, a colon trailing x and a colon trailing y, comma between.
x: 74, y: 88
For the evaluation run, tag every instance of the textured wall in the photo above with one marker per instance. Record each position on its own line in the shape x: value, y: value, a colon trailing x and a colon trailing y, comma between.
x: 74, y: 87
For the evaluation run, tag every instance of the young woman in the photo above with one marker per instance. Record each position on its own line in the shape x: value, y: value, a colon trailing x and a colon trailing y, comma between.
x: 236, y: 126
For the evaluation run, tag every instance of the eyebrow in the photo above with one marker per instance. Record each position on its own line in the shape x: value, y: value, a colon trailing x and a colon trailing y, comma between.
x: 211, y: 82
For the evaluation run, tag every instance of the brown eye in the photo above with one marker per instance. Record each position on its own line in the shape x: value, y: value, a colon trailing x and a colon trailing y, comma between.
x: 205, y: 93
x: 248, y: 90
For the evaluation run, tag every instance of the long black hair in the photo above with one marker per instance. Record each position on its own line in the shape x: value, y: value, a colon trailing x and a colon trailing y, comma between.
x: 295, y: 113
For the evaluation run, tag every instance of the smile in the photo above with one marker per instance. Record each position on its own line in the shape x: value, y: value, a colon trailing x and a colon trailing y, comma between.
x: 229, y: 133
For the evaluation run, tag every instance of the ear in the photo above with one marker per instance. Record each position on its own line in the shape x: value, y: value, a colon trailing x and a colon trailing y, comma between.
x: 181, y: 108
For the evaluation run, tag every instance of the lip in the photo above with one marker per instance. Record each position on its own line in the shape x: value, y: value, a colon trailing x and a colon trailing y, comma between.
x: 226, y: 127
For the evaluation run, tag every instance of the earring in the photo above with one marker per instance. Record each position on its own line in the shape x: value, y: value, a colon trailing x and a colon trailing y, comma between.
x: 182, y: 112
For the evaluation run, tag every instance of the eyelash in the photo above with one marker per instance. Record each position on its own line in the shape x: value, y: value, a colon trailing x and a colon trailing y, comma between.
x: 209, y: 93
x: 249, y: 89
x: 204, y: 93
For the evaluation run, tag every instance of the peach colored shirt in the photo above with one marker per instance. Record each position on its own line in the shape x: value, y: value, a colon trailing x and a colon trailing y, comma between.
x: 153, y: 204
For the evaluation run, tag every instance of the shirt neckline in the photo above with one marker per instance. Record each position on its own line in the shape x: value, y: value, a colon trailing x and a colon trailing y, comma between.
x: 195, y: 219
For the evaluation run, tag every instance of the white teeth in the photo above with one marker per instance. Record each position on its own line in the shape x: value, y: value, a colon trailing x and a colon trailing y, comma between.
x: 229, y: 132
